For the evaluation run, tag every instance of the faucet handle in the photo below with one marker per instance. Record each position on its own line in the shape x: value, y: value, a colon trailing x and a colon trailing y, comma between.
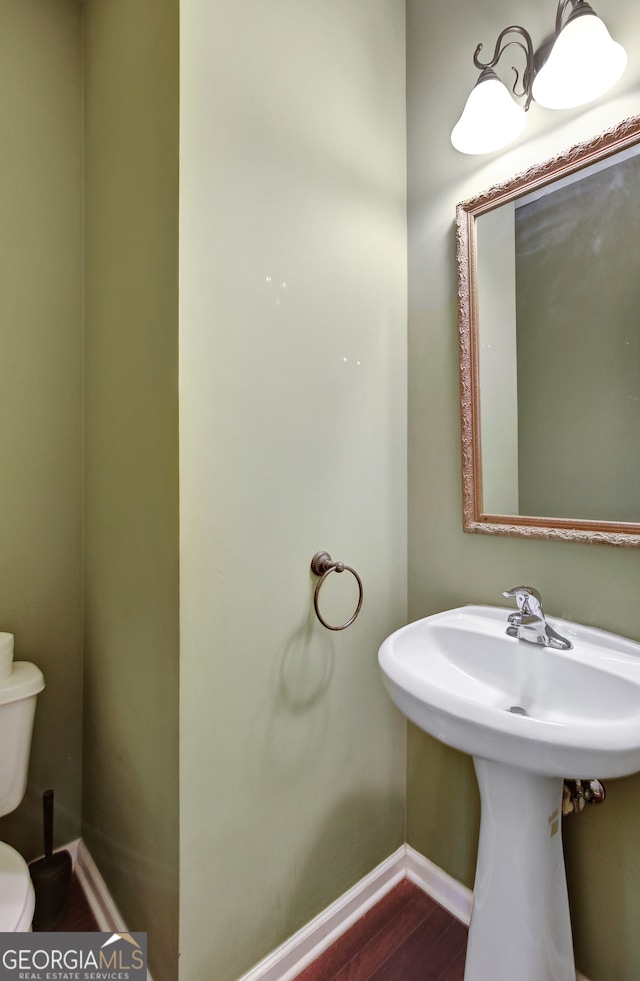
x: 528, y: 599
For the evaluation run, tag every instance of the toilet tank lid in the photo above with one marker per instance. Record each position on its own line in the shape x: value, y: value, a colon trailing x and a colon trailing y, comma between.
x: 25, y: 679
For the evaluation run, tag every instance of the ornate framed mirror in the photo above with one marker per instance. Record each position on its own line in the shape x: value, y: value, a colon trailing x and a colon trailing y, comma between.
x: 549, y: 331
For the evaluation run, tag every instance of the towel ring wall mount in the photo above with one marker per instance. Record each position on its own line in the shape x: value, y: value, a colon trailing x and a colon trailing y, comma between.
x: 323, y: 565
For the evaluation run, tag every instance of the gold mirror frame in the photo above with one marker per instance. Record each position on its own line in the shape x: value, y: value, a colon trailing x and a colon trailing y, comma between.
x: 626, y: 134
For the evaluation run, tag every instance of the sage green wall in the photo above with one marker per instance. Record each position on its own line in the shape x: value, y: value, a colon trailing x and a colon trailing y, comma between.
x: 593, y: 584
x: 130, y: 775
x: 41, y: 390
x: 292, y: 439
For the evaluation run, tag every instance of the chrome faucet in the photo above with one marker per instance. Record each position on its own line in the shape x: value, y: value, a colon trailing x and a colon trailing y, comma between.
x: 529, y: 623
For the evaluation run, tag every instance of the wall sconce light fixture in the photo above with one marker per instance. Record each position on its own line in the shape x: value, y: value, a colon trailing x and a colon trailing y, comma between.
x: 578, y: 63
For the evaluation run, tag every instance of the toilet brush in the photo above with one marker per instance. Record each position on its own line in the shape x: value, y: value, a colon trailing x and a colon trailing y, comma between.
x: 50, y: 875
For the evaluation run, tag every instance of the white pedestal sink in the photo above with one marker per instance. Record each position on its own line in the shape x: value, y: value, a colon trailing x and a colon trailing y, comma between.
x: 530, y: 716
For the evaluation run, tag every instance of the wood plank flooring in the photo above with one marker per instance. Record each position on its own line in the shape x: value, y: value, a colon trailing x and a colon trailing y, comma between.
x: 404, y: 937
x: 78, y: 918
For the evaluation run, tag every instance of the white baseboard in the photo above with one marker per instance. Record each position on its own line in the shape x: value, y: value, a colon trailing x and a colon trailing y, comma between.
x: 107, y: 914
x: 288, y: 960
x: 447, y: 891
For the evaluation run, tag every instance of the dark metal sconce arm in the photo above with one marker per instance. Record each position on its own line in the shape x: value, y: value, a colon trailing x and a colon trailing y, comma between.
x: 500, y: 48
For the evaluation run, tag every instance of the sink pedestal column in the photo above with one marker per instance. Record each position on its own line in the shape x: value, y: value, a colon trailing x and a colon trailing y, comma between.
x: 520, y: 926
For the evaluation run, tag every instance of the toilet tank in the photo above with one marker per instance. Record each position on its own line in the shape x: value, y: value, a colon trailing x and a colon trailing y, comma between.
x: 18, y: 693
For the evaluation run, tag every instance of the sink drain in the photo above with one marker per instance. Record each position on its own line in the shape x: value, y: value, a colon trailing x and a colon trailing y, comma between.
x: 517, y: 710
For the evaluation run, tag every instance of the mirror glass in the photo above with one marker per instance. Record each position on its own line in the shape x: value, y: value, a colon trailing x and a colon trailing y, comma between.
x: 549, y: 305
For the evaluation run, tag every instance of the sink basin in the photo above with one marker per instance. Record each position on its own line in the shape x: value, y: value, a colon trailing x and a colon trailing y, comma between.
x: 530, y: 716
x: 574, y: 713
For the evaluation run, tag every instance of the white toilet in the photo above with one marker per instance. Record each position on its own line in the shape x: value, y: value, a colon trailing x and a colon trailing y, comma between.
x: 20, y: 683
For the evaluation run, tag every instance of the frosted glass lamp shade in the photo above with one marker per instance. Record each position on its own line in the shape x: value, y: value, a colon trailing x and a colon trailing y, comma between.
x: 584, y: 63
x: 491, y: 119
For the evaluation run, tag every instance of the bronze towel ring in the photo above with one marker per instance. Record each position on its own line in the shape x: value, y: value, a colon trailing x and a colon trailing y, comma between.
x: 323, y: 565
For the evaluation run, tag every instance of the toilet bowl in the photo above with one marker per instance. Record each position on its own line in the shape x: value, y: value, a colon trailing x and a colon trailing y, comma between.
x: 20, y: 683
x: 17, y: 898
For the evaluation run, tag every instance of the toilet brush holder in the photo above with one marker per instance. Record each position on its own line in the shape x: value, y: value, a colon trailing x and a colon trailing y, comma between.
x: 51, y: 876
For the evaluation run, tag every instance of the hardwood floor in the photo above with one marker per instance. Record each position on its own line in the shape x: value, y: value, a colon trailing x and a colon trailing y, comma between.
x: 78, y: 918
x: 405, y: 937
